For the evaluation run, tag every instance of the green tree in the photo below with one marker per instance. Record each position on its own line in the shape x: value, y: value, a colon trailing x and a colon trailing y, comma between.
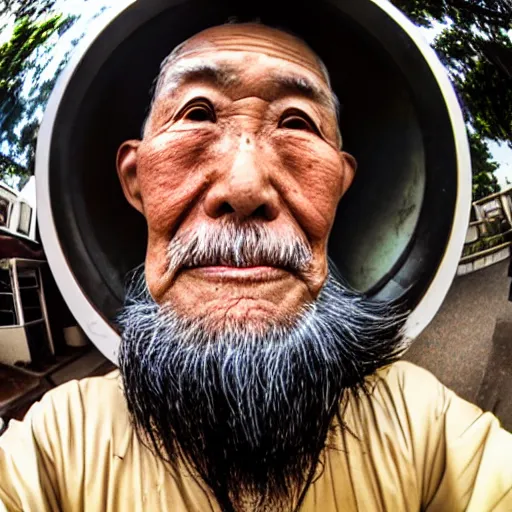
x: 481, y: 69
x: 22, y: 61
x: 484, y: 14
x: 484, y: 181
x: 476, y: 48
x: 26, y: 8
x: 11, y: 171
x: 29, y: 68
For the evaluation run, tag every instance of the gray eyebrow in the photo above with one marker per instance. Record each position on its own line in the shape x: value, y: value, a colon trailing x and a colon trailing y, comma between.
x: 226, y: 76
x: 175, y: 73
x: 181, y: 72
x: 304, y: 87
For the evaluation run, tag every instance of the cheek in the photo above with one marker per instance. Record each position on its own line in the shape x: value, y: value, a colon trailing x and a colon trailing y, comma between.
x: 315, y: 183
x: 173, y: 171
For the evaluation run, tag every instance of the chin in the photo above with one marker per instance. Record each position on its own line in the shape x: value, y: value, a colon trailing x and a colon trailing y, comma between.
x: 243, y: 313
x: 226, y: 302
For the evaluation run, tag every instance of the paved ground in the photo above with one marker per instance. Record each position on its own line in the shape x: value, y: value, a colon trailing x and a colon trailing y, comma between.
x: 468, y: 345
x: 495, y: 393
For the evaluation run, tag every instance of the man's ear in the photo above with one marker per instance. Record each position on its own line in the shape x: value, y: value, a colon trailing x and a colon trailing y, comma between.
x: 126, y: 162
x: 349, y: 169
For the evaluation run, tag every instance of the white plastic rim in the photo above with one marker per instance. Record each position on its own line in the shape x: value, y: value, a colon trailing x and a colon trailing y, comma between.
x: 95, y: 325
x: 432, y: 299
x: 97, y: 329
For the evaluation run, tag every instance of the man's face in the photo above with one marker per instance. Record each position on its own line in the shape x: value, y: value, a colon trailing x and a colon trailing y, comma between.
x: 243, y: 128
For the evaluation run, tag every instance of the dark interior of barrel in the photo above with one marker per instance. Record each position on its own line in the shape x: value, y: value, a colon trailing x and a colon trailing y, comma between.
x: 391, y: 228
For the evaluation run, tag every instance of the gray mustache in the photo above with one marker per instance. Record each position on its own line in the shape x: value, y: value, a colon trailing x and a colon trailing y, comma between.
x: 238, y: 245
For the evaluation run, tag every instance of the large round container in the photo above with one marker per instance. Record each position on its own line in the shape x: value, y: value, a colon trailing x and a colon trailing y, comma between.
x: 399, y: 230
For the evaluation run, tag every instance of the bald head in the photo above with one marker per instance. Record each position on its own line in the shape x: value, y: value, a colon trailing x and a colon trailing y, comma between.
x: 242, y: 36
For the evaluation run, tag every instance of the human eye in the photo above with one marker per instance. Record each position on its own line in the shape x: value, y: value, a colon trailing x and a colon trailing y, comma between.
x: 295, y: 119
x: 198, y: 110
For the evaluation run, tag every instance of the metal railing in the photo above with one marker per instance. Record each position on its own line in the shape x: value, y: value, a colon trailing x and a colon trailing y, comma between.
x: 489, y: 234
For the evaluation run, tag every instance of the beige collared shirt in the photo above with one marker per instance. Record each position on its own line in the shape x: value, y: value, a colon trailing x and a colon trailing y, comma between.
x: 414, y: 445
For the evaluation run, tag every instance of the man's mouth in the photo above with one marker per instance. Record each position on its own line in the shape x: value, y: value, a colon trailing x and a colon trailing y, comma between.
x: 257, y: 273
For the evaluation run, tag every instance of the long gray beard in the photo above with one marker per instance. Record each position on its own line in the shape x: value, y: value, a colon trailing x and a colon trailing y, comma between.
x: 250, y: 411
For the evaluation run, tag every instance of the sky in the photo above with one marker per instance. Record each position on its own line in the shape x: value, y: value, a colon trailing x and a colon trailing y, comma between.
x: 503, y: 155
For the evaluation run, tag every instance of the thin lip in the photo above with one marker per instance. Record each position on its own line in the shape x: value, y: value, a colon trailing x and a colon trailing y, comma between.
x: 256, y: 273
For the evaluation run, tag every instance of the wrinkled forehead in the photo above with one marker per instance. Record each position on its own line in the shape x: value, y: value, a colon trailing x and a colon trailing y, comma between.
x: 256, y: 39
x: 248, y: 45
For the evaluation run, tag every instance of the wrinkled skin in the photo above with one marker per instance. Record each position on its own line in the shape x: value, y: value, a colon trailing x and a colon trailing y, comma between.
x: 247, y: 148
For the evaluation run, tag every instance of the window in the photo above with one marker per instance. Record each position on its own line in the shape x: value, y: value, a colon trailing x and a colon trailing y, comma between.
x: 25, y: 218
x: 4, y: 211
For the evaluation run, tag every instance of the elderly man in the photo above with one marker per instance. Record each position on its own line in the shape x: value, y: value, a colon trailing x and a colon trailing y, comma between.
x: 250, y: 377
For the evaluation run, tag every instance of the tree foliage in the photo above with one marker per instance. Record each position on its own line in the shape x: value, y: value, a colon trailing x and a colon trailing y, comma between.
x: 18, y: 105
x: 29, y: 68
x: 484, y: 180
x: 31, y: 9
x: 481, y: 70
x: 476, y: 48
x: 486, y: 15
x: 23, y: 90
x: 11, y: 171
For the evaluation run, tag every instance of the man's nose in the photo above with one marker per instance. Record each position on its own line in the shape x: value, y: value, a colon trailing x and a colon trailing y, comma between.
x: 244, y: 190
